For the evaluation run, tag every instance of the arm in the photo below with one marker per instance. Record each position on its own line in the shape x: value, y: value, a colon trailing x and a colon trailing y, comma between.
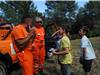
x: 54, y: 33
x: 24, y: 41
x: 84, y: 52
x: 84, y: 44
x: 21, y: 43
x: 66, y: 51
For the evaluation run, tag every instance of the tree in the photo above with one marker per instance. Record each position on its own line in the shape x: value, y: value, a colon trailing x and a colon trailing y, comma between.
x: 88, y: 16
x: 15, y: 10
x: 93, y: 10
x: 61, y: 11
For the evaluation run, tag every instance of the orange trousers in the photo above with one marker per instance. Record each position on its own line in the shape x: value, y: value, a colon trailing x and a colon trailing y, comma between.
x: 42, y: 57
x: 26, y: 62
x: 39, y: 56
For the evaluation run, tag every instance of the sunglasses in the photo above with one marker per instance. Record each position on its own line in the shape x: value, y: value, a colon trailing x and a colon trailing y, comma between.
x: 39, y: 22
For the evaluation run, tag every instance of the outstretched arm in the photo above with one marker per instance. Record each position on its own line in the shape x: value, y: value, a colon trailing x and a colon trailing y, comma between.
x: 55, y: 33
x: 65, y: 51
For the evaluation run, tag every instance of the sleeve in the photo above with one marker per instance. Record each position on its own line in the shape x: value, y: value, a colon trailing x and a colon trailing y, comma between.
x: 84, y: 43
x: 18, y: 33
x: 65, y: 43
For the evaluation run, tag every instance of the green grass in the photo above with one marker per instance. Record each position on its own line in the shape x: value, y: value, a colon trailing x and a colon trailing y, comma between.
x: 54, y: 69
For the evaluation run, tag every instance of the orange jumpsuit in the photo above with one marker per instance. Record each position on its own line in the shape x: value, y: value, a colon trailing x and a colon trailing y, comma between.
x: 39, y: 48
x: 25, y: 57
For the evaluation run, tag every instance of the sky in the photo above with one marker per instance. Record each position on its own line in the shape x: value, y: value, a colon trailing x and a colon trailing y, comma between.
x: 40, y: 4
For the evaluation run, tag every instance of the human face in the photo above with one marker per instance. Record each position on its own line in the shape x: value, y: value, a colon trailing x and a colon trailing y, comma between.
x: 61, y: 31
x: 28, y: 22
x: 81, y: 32
x: 38, y: 24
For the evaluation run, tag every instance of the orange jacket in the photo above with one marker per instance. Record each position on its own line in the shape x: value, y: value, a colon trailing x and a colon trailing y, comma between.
x: 25, y: 57
x: 40, y: 33
x: 19, y: 32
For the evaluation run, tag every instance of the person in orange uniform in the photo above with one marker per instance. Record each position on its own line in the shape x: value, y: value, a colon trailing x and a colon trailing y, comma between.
x: 22, y: 40
x: 39, y: 46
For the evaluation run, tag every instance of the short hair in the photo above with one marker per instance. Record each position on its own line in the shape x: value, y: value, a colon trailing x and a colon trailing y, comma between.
x: 26, y: 16
x: 38, y: 19
x: 66, y: 28
x: 85, y: 29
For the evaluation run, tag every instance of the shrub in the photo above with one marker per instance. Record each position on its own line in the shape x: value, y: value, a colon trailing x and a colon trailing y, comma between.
x: 95, y: 32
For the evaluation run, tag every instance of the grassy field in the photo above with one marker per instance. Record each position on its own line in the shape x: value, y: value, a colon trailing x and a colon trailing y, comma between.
x: 52, y: 67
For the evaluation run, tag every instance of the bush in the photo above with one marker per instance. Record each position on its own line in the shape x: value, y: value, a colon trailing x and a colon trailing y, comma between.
x: 95, y: 32
x: 74, y: 36
x: 92, y: 33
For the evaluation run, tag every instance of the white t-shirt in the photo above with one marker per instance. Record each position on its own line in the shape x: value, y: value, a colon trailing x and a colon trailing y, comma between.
x: 58, y: 43
x: 85, y: 43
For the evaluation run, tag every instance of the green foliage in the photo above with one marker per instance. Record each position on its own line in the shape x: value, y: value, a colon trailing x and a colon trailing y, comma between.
x: 94, y: 32
x: 93, y: 9
x: 88, y: 16
x: 15, y: 10
x: 61, y: 11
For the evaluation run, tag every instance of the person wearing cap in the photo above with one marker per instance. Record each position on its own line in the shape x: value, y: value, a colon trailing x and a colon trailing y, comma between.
x: 22, y: 40
x: 39, y: 46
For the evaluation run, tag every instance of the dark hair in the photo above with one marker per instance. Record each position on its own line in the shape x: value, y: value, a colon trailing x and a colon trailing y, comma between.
x: 66, y: 28
x: 85, y: 29
x: 24, y: 17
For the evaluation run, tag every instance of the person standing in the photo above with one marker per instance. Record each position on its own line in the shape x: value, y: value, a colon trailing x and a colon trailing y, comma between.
x: 87, y: 51
x: 22, y: 41
x: 64, y: 53
x: 57, y: 38
x: 39, y: 46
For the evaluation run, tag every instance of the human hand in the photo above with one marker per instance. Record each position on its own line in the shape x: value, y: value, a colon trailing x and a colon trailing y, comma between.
x: 32, y: 33
x: 54, y: 52
x: 52, y: 49
x: 58, y: 31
